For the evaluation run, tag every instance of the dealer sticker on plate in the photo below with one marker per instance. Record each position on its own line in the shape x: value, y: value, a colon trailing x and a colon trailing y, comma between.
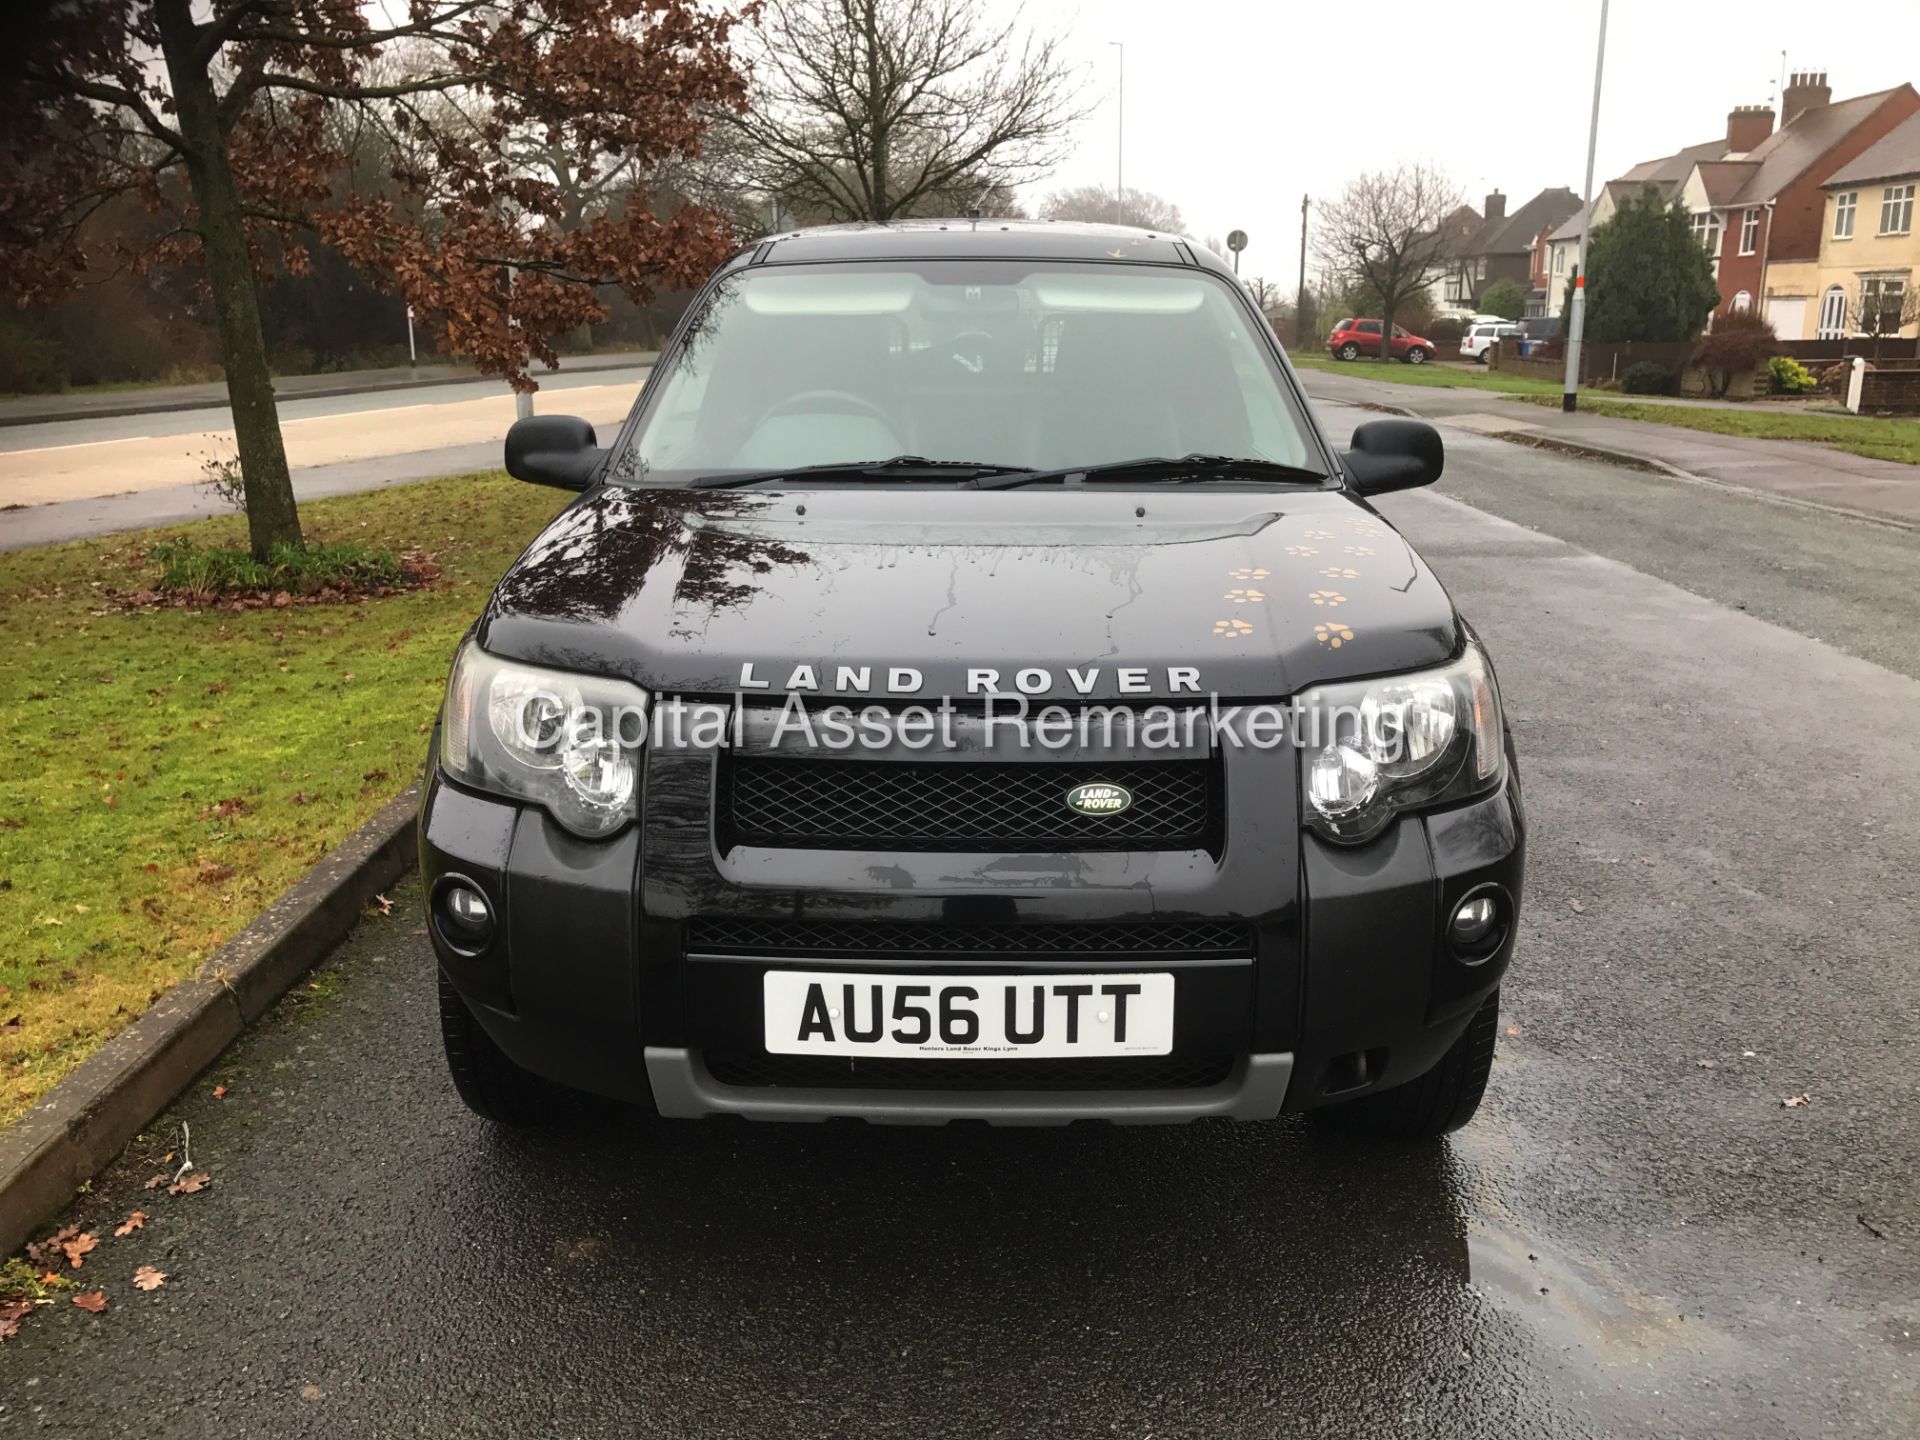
x: 811, y: 1012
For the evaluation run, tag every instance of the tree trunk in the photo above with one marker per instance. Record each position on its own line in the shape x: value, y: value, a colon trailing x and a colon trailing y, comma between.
x: 272, y: 516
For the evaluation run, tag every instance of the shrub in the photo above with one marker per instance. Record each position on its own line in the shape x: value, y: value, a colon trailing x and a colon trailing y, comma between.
x: 1737, y: 343
x: 30, y: 364
x: 192, y: 569
x: 1504, y: 298
x: 1789, y: 376
x: 1649, y: 377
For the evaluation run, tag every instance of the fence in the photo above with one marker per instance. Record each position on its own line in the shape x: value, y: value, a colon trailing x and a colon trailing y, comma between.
x: 1814, y: 352
x: 1890, y: 391
x: 1608, y: 362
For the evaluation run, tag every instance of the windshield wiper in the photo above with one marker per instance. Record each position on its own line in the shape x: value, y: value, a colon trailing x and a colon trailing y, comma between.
x: 899, y: 467
x: 1159, y: 467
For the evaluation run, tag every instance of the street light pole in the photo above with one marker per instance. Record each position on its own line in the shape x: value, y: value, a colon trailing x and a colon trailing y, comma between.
x: 1577, y: 322
x: 1120, y: 138
x: 1300, y: 300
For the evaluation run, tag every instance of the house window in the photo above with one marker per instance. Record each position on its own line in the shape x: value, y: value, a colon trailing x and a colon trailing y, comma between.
x: 1750, y: 232
x: 1559, y: 261
x: 1882, y: 298
x: 1843, y: 208
x: 1706, y: 229
x: 1833, y: 314
x: 1896, y: 210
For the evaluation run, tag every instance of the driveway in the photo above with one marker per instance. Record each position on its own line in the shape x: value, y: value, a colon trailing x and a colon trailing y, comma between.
x: 1648, y: 1231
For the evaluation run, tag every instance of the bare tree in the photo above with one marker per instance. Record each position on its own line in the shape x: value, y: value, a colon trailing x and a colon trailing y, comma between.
x: 1098, y: 203
x: 1386, y: 232
x: 1883, y: 307
x: 874, y: 109
x: 1268, y: 295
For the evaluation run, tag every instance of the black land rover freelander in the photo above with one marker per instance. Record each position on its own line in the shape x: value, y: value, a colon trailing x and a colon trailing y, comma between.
x: 970, y: 685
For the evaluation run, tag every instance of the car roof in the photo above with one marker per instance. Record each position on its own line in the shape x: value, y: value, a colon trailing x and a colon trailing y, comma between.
x: 984, y: 238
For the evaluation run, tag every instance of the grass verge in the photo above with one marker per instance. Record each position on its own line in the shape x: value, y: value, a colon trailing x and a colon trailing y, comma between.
x: 1880, y: 439
x: 1444, y: 377
x: 170, y: 770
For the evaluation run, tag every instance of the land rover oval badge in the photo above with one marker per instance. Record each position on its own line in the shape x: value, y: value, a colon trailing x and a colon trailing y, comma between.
x: 1099, y: 798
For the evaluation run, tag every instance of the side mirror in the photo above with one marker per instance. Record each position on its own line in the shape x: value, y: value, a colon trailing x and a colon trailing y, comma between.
x: 1393, y: 455
x: 558, y: 450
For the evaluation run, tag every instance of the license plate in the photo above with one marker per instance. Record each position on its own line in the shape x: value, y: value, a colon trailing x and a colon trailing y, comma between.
x: 811, y: 1012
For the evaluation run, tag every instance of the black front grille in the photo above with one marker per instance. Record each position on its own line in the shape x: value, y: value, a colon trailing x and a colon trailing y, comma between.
x: 784, y: 938
x: 961, y: 805
x: 822, y: 1072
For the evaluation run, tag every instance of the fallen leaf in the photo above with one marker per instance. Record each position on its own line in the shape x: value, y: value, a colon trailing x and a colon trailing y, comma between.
x: 219, y: 1092
x: 132, y: 1223
x: 12, y: 1312
x: 1576, y: 907
x: 311, y: 1392
x: 1513, y: 1029
x: 191, y: 1184
x: 47, y: 1277
x: 77, y: 1249
x: 1794, y: 1102
x: 155, y: 1182
x: 386, y: 905
x: 148, y: 1278
x: 92, y: 1301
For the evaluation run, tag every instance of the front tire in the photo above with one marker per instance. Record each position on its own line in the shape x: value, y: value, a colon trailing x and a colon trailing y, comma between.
x: 1349, y: 351
x: 493, y: 1086
x: 1416, y: 356
x: 1443, y: 1099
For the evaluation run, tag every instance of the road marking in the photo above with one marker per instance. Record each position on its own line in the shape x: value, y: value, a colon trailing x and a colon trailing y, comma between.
x: 76, y: 445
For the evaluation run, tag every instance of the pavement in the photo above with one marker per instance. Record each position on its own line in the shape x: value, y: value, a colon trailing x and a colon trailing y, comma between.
x: 95, y: 475
x: 158, y: 399
x: 1787, y: 470
x: 1637, y: 1236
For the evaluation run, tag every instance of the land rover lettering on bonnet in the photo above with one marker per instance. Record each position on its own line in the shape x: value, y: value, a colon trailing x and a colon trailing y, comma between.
x: 971, y: 685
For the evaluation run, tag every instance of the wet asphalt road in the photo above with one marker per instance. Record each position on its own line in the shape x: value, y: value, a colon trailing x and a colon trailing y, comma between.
x: 1635, y: 1237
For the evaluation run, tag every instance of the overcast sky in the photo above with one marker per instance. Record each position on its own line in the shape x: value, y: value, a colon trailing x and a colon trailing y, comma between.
x: 1235, y: 108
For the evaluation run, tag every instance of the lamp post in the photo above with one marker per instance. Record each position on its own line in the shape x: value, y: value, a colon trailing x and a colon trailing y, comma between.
x: 1120, y: 138
x: 1577, y: 322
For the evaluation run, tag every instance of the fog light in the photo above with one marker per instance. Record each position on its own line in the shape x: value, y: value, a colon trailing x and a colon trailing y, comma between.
x: 1473, y: 923
x: 466, y: 920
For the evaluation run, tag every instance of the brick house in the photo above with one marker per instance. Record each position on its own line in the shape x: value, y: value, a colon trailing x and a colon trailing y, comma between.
x: 1758, y: 206
x: 1500, y: 247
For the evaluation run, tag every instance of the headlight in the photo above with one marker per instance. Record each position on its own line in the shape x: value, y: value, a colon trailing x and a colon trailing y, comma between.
x: 571, y: 743
x: 1375, y: 747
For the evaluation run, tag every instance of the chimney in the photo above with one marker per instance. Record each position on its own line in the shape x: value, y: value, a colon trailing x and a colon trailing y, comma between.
x: 1496, y: 206
x: 1806, y: 90
x: 1747, y: 126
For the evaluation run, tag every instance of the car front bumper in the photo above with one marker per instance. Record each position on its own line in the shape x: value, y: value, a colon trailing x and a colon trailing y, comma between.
x: 631, y: 967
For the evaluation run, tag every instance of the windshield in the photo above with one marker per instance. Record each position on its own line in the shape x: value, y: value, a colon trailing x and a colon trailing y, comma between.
x: 1012, y: 363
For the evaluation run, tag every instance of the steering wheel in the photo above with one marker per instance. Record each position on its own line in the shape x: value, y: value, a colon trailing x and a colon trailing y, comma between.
x: 969, y: 349
x: 836, y: 402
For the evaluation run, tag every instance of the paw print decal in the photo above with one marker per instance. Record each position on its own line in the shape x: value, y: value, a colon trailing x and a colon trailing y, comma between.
x: 1316, y: 534
x: 1340, y: 572
x: 1357, y: 550
x: 1248, y: 572
x: 1245, y: 597
x: 1301, y: 550
x: 1232, y: 629
x: 1332, y: 635
x: 1328, y: 598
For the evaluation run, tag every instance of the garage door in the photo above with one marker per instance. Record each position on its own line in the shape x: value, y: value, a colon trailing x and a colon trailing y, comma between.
x: 1788, y: 316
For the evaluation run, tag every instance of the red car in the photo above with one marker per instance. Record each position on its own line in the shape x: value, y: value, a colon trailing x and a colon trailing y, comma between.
x: 1353, y: 338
